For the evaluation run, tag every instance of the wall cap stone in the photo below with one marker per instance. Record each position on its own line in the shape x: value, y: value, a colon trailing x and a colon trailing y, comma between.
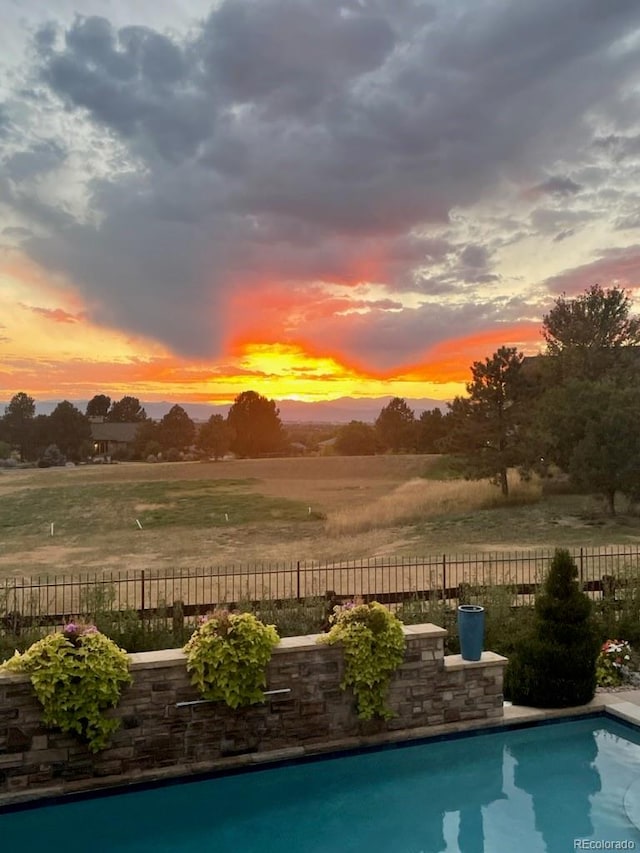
x: 176, y: 657
x: 455, y: 662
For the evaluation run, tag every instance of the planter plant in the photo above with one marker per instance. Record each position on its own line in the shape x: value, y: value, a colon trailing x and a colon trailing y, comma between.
x: 373, y: 643
x: 77, y: 675
x: 227, y: 657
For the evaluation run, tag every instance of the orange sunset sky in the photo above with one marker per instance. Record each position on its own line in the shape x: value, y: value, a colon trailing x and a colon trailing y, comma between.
x: 310, y: 200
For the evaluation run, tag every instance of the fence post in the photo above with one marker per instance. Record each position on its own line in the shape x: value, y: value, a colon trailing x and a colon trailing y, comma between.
x: 581, y: 566
x: 444, y: 578
x: 142, y: 598
x: 298, y: 580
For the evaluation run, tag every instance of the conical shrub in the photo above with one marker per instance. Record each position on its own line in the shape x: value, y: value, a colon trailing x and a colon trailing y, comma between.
x: 554, y: 666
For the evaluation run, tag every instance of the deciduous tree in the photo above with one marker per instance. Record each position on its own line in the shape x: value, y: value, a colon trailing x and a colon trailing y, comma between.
x: 255, y: 425
x: 590, y: 335
x: 98, y: 406
x: 591, y: 431
x: 356, y: 439
x: 127, y: 410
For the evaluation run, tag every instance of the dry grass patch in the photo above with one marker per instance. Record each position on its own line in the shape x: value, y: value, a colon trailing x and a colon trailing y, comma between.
x: 419, y: 499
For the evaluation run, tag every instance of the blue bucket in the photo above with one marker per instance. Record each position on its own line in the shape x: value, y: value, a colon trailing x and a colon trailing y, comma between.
x: 471, y: 631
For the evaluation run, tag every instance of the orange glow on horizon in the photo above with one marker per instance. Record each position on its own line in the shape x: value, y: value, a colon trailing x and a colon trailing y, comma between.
x: 51, y: 349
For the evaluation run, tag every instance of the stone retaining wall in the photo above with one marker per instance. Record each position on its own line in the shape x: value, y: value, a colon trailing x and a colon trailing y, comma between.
x: 161, y: 737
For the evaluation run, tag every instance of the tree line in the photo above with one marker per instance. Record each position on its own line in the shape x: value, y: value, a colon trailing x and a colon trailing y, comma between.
x: 251, y: 428
x: 575, y: 407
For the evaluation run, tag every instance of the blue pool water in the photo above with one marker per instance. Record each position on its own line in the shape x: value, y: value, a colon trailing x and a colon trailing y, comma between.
x: 527, y: 790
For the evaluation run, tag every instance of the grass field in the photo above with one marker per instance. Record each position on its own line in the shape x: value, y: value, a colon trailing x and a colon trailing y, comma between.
x: 184, y: 515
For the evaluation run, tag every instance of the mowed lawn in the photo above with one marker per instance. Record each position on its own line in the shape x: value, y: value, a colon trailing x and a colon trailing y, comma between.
x: 247, y: 512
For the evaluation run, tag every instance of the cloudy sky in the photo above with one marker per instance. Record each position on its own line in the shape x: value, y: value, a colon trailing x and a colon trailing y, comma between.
x: 310, y: 198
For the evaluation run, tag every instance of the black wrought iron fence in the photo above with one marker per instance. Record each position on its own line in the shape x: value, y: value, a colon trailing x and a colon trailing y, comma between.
x: 48, y: 600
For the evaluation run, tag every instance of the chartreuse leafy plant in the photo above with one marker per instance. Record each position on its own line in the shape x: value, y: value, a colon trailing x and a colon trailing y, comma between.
x: 77, y: 675
x: 374, y: 644
x: 227, y: 657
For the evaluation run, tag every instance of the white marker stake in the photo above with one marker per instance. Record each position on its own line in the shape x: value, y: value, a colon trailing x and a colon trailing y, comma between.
x: 52, y: 528
x: 309, y: 510
x: 226, y: 516
x: 138, y: 523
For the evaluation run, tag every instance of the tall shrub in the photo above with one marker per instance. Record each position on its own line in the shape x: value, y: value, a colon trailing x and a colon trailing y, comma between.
x: 554, y: 666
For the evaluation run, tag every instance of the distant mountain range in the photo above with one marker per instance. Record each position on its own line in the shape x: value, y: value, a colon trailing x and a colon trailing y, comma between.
x: 339, y: 411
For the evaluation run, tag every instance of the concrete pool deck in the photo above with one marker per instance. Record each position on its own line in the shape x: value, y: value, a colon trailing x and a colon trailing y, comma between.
x: 624, y: 704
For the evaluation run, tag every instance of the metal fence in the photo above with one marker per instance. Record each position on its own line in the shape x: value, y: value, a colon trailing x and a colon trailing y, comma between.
x: 49, y: 599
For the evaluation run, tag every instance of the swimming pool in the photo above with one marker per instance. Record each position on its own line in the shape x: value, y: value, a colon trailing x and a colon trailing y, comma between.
x: 528, y: 790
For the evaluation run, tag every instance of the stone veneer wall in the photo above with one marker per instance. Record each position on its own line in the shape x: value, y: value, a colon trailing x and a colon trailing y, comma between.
x: 158, y: 737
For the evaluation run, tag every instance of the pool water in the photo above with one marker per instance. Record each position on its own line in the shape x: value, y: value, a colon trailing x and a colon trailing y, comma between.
x: 527, y: 790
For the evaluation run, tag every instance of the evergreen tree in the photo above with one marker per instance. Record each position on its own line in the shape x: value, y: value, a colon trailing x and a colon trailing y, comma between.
x: 18, y: 422
x: 214, y: 437
x: 486, y: 428
x: 396, y: 426
x: 69, y: 430
x: 431, y: 429
x: 176, y: 429
x: 555, y: 666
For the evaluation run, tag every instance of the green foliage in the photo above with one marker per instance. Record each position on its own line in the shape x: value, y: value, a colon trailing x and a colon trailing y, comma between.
x: 98, y: 406
x: 18, y: 422
x: 486, y: 428
x: 214, y: 437
x: 294, y: 618
x: 52, y: 457
x: 592, y: 334
x: 157, y: 630
x: 176, y: 431
x: 227, y: 657
x: 255, y: 426
x: 76, y: 676
x: 554, y: 665
x: 590, y: 430
x: 69, y: 429
x: 431, y: 428
x: 127, y: 410
x: 356, y: 439
x: 618, y: 614
x: 396, y: 426
x: 373, y: 642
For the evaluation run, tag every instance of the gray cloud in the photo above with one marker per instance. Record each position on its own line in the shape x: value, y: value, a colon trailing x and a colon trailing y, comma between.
x: 615, y: 266
x: 381, y: 339
x: 296, y: 140
x: 42, y: 157
x: 559, y: 185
